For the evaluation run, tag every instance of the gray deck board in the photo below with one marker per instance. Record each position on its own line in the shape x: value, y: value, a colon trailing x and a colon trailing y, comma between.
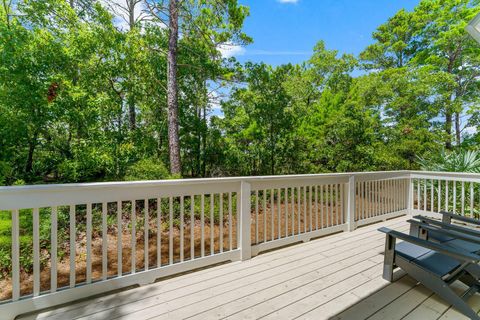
x: 335, y: 277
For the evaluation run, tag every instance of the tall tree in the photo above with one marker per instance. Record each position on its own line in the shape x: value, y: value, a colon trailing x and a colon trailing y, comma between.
x: 172, y: 89
x: 454, y: 55
x: 206, y: 25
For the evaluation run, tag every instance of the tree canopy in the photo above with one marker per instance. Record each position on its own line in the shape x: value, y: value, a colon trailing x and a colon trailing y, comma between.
x: 83, y: 93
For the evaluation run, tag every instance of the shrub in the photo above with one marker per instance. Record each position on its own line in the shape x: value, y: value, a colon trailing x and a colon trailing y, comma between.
x: 452, y: 161
x: 147, y: 169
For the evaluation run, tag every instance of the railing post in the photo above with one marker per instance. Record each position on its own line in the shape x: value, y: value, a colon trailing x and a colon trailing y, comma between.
x: 410, y: 195
x: 245, y: 221
x: 351, y: 203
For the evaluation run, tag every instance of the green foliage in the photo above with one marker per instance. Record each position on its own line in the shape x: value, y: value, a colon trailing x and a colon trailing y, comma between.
x: 451, y: 161
x: 147, y: 169
x: 82, y: 99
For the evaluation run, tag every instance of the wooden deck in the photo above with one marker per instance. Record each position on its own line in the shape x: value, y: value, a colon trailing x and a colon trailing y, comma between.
x: 335, y: 277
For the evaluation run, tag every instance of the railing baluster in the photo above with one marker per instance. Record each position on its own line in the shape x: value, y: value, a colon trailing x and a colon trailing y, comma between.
x: 377, y: 198
x: 316, y: 206
x: 386, y: 196
x: 446, y: 195
x: 256, y: 216
x: 371, y: 196
x: 119, y: 239
x: 425, y: 194
x: 431, y: 195
x: 15, y: 255
x: 170, y: 230
x: 439, y: 195
x: 292, y: 203
x: 89, y: 243
x: 364, y: 196
x: 364, y: 200
x: 342, y: 213
x: 159, y: 232
x: 398, y: 192
x: 299, y: 209
x: 230, y: 229
x: 264, y: 215
x: 221, y: 222
x: 310, y: 207
x: 321, y: 206
x: 418, y: 195
x: 330, y: 200
x: 182, y: 234
x: 212, y: 224
x: 146, y: 228
x: 133, y: 252
x: 389, y: 198
x: 463, y: 198
x: 104, y: 241
x: 395, y: 195
x: 73, y: 251
x: 192, y: 227
x: 337, y: 211
x: 305, y: 220
x: 54, y: 249
x: 238, y: 220
x: 279, y: 218
x: 286, y: 212
x: 371, y: 199
x: 272, y: 214
x: 327, y: 207
x: 471, y: 200
x: 202, y: 225
x: 454, y: 186
x: 366, y: 192
x: 36, y: 253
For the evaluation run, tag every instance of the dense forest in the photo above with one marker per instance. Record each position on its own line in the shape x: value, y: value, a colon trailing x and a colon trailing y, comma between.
x: 124, y: 90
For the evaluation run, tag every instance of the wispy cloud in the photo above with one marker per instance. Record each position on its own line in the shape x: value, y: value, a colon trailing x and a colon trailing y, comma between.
x: 288, y: 1
x: 231, y: 50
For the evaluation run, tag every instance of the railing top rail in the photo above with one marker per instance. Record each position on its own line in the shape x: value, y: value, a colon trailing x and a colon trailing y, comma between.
x: 38, y: 196
x: 459, y: 176
x: 192, y: 181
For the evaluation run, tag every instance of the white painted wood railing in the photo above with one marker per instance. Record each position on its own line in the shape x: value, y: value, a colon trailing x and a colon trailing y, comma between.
x: 91, y: 238
x: 454, y: 192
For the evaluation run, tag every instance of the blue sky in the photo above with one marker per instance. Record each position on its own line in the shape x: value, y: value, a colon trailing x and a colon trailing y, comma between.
x: 286, y: 30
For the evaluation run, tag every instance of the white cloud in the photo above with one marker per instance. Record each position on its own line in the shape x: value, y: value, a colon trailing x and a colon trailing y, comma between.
x: 231, y: 50
x: 288, y: 1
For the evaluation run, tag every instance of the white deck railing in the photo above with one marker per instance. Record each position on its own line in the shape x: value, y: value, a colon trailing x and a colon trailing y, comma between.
x: 105, y: 236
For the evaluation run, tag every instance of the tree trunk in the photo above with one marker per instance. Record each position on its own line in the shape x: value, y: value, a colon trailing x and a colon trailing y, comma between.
x: 204, y: 142
x: 131, y: 99
x: 132, y: 114
x: 457, y: 129
x: 32, y: 144
x: 172, y: 90
x: 448, y: 129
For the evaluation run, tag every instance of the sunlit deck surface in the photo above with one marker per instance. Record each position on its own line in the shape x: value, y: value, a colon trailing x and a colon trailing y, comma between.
x: 335, y: 277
